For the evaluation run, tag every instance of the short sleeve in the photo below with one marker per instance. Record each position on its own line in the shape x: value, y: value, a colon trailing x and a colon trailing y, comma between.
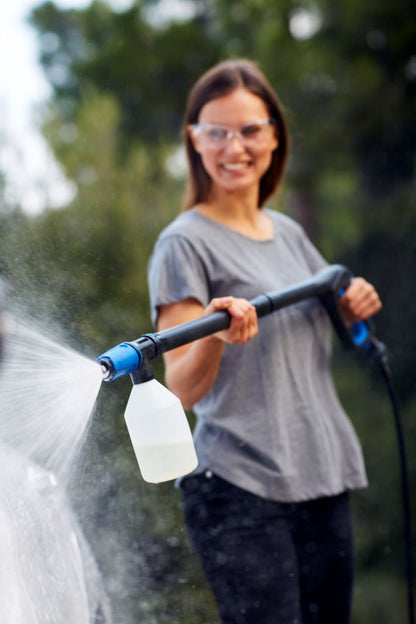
x: 175, y: 272
x: 315, y: 260
x: 298, y: 241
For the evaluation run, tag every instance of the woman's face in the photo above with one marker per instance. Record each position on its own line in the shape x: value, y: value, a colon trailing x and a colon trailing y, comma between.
x: 235, y: 162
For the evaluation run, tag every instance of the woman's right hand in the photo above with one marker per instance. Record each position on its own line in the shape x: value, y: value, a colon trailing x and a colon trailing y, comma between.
x: 243, y: 326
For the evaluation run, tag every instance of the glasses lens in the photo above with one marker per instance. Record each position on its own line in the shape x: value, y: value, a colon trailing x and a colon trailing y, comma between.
x: 215, y: 134
x: 252, y: 131
x: 256, y: 132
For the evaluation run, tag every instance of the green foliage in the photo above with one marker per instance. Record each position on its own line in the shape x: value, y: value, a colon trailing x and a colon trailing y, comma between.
x: 377, y: 597
x: 91, y: 257
x: 120, y: 53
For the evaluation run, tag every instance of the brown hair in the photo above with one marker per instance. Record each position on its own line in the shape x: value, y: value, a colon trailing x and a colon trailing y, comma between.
x: 221, y: 79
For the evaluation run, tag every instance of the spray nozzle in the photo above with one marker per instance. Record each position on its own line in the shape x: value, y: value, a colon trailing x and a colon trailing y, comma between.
x: 120, y: 360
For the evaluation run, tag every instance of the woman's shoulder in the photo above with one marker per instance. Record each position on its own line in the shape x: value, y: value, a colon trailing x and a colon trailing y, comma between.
x: 187, y: 236
x: 185, y: 225
x: 284, y: 222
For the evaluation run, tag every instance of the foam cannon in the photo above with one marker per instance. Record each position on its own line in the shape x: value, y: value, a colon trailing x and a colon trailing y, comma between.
x: 155, y: 419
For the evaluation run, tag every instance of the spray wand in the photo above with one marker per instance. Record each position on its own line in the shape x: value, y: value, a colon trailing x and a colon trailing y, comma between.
x: 154, y: 432
x: 162, y: 439
x: 129, y: 357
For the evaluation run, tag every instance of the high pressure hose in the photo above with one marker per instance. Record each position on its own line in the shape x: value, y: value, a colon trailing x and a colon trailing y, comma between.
x: 361, y: 337
x: 379, y: 357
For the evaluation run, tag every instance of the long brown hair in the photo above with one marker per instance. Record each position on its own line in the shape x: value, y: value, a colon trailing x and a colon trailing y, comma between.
x: 220, y: 80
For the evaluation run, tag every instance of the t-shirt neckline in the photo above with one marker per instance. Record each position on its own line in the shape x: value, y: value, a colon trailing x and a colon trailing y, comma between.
x: 236, y: 232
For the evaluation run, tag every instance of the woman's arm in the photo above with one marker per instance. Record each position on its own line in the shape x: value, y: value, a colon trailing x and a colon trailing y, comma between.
x: 191, y: 370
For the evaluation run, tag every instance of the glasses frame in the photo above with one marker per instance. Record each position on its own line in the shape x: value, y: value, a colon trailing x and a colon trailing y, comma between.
x: 197, y: 128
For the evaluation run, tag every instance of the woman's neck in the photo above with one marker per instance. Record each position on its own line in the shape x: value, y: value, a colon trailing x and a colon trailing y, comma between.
x: 241, y: 215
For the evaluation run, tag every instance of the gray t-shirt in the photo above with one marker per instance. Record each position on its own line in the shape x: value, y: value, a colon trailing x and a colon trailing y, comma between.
x: 272, y: 422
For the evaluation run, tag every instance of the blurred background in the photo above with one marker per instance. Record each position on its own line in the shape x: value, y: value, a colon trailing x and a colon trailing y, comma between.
x: 100, y: 171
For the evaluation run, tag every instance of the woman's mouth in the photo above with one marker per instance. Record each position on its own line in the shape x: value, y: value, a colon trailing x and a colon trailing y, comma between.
x: 237, y: 166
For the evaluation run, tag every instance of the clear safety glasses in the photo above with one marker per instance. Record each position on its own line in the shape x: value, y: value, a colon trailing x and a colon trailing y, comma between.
x: 251, y: 134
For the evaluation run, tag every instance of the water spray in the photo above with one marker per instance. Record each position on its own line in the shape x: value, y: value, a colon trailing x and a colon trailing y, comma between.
x: 6, y: 321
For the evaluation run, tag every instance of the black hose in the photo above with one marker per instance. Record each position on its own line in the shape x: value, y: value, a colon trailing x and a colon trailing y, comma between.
x: 379, y: 357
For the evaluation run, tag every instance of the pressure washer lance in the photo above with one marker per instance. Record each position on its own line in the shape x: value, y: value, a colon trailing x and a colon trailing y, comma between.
x: 155, y: 419
x: 157, y: 423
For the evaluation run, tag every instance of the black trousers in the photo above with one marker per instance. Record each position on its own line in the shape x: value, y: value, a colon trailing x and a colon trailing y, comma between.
x: 268, y: 562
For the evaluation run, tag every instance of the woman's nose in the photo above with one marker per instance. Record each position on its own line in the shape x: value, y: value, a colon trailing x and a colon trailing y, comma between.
x: 235, y: 142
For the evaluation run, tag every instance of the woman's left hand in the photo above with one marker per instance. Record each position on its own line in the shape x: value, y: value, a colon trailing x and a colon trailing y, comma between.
x: 359, y: 302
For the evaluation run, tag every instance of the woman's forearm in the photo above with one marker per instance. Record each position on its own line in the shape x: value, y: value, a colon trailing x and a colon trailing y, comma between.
x: 191, y: 375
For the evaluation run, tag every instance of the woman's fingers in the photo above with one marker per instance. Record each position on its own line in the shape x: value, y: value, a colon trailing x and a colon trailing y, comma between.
x: 243, y: 314
x: 245, y: 321
x: 360, y: 301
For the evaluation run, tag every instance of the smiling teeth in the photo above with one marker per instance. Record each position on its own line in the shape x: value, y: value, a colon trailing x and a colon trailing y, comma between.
x: 235, y: 166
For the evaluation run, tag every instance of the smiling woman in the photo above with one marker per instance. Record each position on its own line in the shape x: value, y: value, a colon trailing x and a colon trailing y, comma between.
x: 237, y: 152
x: 260, y: 103
x: 267, y: 507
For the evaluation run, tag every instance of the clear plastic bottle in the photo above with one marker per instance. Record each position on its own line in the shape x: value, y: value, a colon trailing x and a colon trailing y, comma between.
x: 160, y: 432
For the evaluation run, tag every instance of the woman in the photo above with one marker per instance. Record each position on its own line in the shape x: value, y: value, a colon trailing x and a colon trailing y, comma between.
x: 267, y: 508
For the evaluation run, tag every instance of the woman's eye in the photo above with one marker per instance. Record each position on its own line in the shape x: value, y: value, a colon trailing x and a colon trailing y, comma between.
x: 250, y: 130
x: 217, y: 133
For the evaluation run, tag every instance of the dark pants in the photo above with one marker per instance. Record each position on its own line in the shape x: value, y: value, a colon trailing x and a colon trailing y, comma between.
x: 270, y: 562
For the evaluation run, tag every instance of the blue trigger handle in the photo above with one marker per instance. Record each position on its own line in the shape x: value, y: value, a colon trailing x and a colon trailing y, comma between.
x: 360, y: 331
